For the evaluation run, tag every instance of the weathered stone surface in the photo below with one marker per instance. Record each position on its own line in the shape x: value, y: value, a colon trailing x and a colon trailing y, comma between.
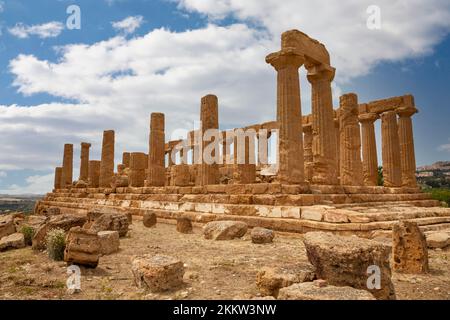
x: 184, y: 225
x: 270, y: 280
x: 157, y: 272
x: 12, y: 241
x: 311, y: 291
x: 82, y: 247
x: 6, y: 226
x: 409, y: 249
x: 107, y: 162
x: 344, y: 261
x: 64, y: 222
x: 438, y: 239
x: 111, y: 222
x: 109, y: 242
x: 262, y: 235
x: 149, y: 219
x: 224, y: 230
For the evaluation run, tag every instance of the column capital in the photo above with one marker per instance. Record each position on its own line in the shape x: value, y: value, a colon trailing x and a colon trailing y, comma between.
x: 284, y: 58
x: 317, y: 72
x: 406, y: 111
x: 368, y: 117
x: 85, y: 145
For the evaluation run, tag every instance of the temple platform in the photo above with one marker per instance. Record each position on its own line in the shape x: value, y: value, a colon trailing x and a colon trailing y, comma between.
x: 363, y: 211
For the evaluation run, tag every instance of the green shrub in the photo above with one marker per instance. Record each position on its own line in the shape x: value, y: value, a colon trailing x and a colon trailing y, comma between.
x: 441, y: 194
x: 56, y: 244
x: 28, y: 233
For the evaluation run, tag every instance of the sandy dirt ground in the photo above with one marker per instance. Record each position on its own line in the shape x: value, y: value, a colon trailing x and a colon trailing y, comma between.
x: 214, y: 269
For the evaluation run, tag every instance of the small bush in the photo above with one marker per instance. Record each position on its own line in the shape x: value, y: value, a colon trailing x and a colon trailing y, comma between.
x: 28, y: 233
x: 56, y: 244
x: 441, y: 194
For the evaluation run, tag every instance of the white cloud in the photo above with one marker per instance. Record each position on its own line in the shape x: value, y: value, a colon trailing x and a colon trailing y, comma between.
x: 128, y: 25
x: 34, y: 185
x: 444, y: 147
x: 2, y: 6
x: 3, y: 174
x: 409, y: 28
x: 46, y: 30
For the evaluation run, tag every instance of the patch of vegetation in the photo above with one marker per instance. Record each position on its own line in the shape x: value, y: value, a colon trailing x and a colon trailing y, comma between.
x: 440, y: 194
x: 28, y: 233
x: 56, y: 244
x: 380, y: 180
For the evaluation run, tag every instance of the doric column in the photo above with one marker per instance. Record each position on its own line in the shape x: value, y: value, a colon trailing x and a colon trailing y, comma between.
x: 263, y: 148
x: 324, y: 138
x: 94, y: 173
x: 289, y: 115
x: 406, y: 140
x: 67, y: 173
x: 351, y: 172
x: 369, y: 148
x: 209, y: 117
x: 138, y: 163
x: 392, y: 173
x: 338, y: 144
x: 308, y: 154
x: 58, y: 176
x: 107, y: 161
x: 156, y: 160
x: 84, y: 162
x: 126, y: 159
x: 225, y: 148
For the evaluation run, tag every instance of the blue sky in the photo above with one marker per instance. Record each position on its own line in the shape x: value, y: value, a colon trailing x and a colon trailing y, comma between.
x: 70, y: 86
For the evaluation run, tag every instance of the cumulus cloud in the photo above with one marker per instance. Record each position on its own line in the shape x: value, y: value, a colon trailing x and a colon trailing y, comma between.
x: 46, y: 30
x: 409, y: 28
x: 128, y: 25
x: 33, y: 185
x: 444, y: 147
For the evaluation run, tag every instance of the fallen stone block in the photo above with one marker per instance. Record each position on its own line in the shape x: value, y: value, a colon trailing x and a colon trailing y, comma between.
x: 111, y: 222
x: 82, y: 247
x: 64, y: 222
x: 409, y: 248
x: 157, y: 272
x: 7, y: 226
x: 224, y: 230
x: 347, y: 261
x: 262, y: 235
x: 438, y: 240
x: 270, y: 280
x: 184, y: 225
x: 12, y: 241
x: 109, y: 242
x: 312, y: 291
x: 149, y: 219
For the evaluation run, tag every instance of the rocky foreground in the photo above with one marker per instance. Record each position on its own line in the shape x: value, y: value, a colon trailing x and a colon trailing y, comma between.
x: 252, y: 265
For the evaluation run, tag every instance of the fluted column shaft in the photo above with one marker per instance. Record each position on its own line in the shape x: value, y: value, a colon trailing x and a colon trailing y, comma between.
x: 94, y: 173
x: 58, y: 176
x: 289, y: 115
x: 107, y: 160
x: 406, y: 140
x: 369, y: 148
x: 138, y: 163
x: 392, y: 173
x: 324, y: 137
x: 308, y: 154
x: 67, y: 172
x: 351, y: 171
x: 156, y: 159
x: 209, y: 117
x: 84, y: 162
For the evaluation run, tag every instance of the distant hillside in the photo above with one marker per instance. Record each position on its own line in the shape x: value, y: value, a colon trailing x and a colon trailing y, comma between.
x: 436, y: 175
x: 22, y: 203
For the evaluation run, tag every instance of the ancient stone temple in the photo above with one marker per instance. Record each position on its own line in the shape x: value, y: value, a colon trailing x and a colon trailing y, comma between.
x: 325, y: 176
